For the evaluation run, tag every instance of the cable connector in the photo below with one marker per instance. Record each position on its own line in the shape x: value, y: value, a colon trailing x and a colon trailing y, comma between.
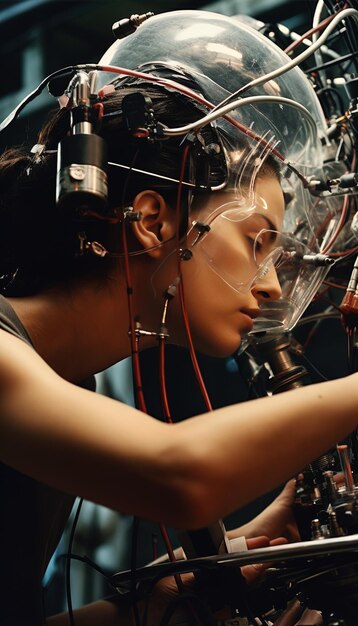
x: 172, y: 290
x: 320, y: 260
x: 139, y: 117
x: 185, y: 254
x: 129, y: 25
x: 130, y: 215
x: 38, y: 151
x: 201, y: 227
x: 316, y: 185
x: 347, y: 181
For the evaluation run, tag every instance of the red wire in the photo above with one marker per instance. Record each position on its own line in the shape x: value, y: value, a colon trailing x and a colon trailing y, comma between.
x: 177, y: 577
x: 192, y: 351
x: 168, y: 417
x: 192, y: 94
x: 135, y: 341
x: 322, y: 295
x: 194, y: 360
x: 171, y: 555
x: 138, y: 380
x: 310, y: 32
x: 163, y: 389
x: 344, y: 253
x: 164, y: 397
x: 334, y: 285
x: 321, y: 226
x: 340, y: 225
x: 133, y: 336
x: 100, y: 107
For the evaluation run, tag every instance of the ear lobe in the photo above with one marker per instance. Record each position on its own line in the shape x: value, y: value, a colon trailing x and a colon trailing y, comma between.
x: 157, y: 222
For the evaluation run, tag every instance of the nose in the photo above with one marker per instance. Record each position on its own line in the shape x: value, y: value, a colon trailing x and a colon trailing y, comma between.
x: 267, y: 287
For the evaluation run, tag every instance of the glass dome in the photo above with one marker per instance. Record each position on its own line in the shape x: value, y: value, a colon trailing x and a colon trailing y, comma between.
x: 215, y: 56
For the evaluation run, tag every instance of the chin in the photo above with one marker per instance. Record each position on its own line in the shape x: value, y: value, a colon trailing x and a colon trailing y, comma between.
x: 220, y: 347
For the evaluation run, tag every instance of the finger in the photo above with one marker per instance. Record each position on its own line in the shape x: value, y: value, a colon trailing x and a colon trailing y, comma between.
x: 278, y: 541
x: 288, y: 492
x: 254, y: 571
x: 257, y: 542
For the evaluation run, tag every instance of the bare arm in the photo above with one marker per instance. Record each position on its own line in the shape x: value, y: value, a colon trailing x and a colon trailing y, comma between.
x: 186, y: 475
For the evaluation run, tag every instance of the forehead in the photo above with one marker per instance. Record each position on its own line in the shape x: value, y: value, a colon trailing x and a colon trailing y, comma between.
x: 267, y: 200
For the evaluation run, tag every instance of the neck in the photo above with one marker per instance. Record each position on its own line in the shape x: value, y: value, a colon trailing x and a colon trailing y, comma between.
x: 79, y: 330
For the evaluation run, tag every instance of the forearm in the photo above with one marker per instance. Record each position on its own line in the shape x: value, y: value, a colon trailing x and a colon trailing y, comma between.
x: 187, y: 474
x: 255, y: 446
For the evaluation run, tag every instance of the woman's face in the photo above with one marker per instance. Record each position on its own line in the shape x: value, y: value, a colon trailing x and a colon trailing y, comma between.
x: 222, y: 290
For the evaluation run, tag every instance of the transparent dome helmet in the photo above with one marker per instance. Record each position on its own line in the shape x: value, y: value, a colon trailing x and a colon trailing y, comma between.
x: 213, y: 56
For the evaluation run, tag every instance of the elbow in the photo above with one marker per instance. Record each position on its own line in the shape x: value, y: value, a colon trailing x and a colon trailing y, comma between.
x: 195, y: 498
x: 193, y: 509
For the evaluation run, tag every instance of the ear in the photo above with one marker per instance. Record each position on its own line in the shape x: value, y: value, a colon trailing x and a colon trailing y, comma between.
x: 157, y: 223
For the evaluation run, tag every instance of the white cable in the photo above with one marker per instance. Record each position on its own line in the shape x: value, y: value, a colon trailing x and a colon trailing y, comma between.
x: 317, y: 17
x: 136, y: 170
x: 297, y: 60
x: 306, y: 53
x: 213, y: 115
x: 318, y: 55
x: 306, y: 42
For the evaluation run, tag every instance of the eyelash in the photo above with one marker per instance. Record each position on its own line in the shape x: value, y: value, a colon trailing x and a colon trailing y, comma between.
x: 256, y: 241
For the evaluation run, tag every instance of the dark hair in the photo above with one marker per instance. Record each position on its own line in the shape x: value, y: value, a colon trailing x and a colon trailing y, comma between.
x: 39, y: 244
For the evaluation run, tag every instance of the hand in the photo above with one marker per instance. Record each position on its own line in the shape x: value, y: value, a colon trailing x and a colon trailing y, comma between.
x: 275, y: 521
x: 255, y: 570
x: 272, y: 527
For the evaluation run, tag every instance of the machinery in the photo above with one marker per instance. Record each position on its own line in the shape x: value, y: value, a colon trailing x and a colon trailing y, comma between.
x: 297, y: 102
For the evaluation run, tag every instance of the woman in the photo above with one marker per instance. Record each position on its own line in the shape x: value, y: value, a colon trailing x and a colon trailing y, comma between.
x: 66, y: 316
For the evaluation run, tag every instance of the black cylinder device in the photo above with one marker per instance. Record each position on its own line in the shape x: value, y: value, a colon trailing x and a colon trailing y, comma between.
x: 81, y: 181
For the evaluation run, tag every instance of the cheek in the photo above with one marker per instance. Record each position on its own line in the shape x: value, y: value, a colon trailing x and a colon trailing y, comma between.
x: 213, y: 310
x: 205, y: 273
x: 231, y: 257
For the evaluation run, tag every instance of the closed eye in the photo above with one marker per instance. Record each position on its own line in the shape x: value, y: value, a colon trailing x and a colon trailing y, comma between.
x: 256, y: 241
x: 264, y: 242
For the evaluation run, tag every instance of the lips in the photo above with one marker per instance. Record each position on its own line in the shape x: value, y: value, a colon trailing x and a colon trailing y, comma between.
x: 248, y: 316
x: 253, y: 313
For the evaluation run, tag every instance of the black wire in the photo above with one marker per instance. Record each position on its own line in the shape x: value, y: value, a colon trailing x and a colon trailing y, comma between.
x: 330, y: 6
x: 323, y: 66
x: 68, y: 563
x: 333, y: 92
x: 316, y: 317
x: 36, y: 92
x: 349, y: 35
x: 352, y: 351
x: 133, y: 579
x: 87, y: 561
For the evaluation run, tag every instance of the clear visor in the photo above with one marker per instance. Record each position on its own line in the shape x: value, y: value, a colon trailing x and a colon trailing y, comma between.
x: 248, y: 257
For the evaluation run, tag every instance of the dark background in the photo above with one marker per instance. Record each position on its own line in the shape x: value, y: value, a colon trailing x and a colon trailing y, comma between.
x: 38, y: 37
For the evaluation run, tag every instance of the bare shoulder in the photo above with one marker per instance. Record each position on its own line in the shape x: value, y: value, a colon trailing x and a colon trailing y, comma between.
x: 73, y: 439
x: 19, y: 362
